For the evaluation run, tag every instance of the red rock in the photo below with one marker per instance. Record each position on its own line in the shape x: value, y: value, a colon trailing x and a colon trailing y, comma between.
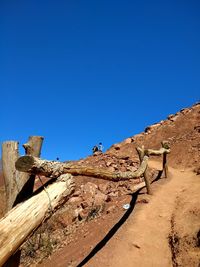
x: 110, y: 209
x: 75, y: 199
x: 104, y: 187
x: 100, y: 198
x: 128, y: 141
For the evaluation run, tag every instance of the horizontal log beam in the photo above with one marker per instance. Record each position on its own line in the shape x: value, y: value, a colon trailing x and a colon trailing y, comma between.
x: 20, y: 222
x: 161, y: 151
x: 54, y: 169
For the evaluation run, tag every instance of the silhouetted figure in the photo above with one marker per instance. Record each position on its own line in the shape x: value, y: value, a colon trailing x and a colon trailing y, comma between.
x: 95, y: 149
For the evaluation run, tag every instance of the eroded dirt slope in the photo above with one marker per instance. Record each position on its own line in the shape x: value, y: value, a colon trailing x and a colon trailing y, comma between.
x: 172, y: 214
x: 182, y: 130
x: 93, y: 228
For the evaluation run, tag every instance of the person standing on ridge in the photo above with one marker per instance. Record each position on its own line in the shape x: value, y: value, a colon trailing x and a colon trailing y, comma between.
x: 94, y: 149
x: 100, y: 147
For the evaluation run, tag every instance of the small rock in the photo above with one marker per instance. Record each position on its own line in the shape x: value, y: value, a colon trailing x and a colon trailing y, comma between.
x: 83, y: 214
x: 114, y: 194
x: 147, y: 129
x: 84, y: 204
x: 143, y: 201
x: 100, y: 198
x: 128, y: 141
x: 77, y: 212
x: 124, y: 157
x: 104, y: 187
x: 77, y: 193
x: 135, y: 245
x: 110, y: 209
x: 108, y: 163
x: 75, y: 199
x: 116, y: 147
x: 172, y: 117
x: 111, y: 169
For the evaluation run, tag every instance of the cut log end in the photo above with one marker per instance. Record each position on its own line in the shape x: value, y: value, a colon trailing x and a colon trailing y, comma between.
x: 24, y: 163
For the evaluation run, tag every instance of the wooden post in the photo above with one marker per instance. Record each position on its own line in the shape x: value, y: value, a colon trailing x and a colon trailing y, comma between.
x: 23, y: 219
x: 25, y: 180
x: 10, y: 155
x: 165, y: 165
x: 33, y: 146
x: 165, y: 145
x: 146, y: 179
x: 18, y: 185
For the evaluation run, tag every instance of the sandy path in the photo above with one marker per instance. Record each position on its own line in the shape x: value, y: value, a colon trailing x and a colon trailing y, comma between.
x: 143, y: 239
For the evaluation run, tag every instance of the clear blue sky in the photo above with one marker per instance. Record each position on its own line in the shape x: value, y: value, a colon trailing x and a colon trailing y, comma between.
x: 83, y: 72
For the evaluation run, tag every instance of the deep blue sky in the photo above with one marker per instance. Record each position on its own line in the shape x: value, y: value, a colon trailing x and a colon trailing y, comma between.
x: 83, y: 72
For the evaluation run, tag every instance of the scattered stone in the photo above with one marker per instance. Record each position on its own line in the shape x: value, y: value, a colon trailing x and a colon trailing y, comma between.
x: 110, y: 209
x: 83, y: 214
x: 112, y: 169
x: 75, y: 199
x: 128, y: 141
x: 135, y: 245
x: 172, y: 117
x: 124, y: 157
x: 116, y: 147
x: 100, y: 198
x: 147, y: 129
x: 108, y: 163
x: 145, y: 201
x: 197, y: 128
x: 104, y: 187
x: 114, y: 194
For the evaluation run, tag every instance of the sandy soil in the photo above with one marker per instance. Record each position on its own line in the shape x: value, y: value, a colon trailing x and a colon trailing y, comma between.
x: 149, y: 235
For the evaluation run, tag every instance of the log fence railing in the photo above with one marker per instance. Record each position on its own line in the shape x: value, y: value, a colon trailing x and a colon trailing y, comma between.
x: 18, y: 224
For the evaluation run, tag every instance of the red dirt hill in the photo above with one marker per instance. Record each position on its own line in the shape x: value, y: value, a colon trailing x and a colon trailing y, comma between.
x: 182, y: 130
x: 90, y: 221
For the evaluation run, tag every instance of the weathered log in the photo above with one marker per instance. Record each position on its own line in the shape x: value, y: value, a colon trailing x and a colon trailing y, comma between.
x: 165, y: 145
x: 20, y: 222
x: 18, y: 185
x: 26, y: 181
x: 9, y: 156
x: 152, y: 152
x: 33, y: 146
x: 54, y: 169
x: 146, y: 179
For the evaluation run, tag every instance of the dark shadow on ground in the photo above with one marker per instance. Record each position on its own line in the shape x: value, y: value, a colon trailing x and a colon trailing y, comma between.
x: 159, y: 176
x: 116, y: 227
x: 111, y: 233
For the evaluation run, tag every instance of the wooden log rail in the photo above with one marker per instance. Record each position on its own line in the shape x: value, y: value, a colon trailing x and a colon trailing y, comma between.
x: 54, y: 169
x: 18, y: 223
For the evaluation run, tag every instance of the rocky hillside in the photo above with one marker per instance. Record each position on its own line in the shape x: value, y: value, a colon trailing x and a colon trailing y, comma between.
x: 96, y: 204
x: 182, y: 130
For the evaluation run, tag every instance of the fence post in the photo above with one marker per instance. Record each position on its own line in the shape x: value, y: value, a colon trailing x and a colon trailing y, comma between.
x: 165, y: 145
x: 141, y: 154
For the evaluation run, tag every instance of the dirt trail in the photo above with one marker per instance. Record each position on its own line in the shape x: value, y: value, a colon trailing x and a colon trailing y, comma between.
x: 143, y: 239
